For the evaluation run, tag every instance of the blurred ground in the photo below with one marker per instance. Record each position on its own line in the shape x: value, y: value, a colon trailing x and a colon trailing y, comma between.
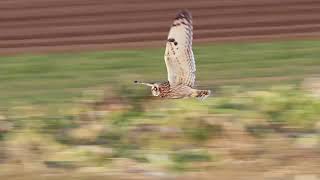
x: 58, y: 25
x: 58, y: 79
x: 79, y: 115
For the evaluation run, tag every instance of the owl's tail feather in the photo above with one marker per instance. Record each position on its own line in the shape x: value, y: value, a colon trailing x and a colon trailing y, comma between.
x: 201, y: 94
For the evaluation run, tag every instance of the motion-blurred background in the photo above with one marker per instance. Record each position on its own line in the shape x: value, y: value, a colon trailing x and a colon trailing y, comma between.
x: 69, y: 109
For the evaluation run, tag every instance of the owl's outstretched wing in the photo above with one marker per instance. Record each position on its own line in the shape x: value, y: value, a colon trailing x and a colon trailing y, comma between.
x: 178, y: 56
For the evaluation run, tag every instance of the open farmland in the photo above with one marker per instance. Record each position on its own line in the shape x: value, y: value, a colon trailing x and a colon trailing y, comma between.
x: 79, y: 115
x: 58, y: 25
x: 69, y: 108
x: 62, y: 78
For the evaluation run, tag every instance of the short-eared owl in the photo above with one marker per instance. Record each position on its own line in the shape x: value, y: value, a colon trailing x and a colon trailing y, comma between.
x: 180, y: 62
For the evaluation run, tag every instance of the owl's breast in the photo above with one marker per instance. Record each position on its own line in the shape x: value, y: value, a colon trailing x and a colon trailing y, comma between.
x: 164, y: 89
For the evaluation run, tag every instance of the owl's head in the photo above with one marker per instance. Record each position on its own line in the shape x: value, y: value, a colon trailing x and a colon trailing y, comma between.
x: 154, y: 87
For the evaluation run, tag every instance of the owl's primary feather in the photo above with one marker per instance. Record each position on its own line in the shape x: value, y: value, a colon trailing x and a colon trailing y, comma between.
x: 179, y: 57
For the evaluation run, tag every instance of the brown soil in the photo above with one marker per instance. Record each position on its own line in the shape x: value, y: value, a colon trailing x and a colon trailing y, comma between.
x: 75, y: 25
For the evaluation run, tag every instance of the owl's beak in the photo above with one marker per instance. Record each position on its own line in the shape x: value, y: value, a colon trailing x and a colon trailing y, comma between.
x: 144, y: 83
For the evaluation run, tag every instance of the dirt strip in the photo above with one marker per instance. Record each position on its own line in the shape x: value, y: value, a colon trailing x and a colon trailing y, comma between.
x: 77, y: 25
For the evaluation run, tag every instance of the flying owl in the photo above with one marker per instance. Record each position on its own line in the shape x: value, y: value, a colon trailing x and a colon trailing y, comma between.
x: 180, y: 62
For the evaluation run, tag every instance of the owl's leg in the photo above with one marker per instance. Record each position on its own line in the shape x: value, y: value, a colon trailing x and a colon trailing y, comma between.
x: 200, y: 94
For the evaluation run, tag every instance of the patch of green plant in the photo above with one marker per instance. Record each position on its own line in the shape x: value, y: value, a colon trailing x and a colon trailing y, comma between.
x: 185, y: 160
x: 190, y: 156
x: 199, y: 130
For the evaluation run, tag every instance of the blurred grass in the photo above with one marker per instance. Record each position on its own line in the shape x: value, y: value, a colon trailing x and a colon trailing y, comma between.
x: 55, y: 79
x: 47, y: 123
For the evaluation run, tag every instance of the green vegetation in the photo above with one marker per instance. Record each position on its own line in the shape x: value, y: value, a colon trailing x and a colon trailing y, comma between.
x: 73, y: 111
x: 54, y: 79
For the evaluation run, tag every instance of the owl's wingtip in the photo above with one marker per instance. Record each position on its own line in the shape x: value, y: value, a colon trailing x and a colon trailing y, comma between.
x: 184, y: 13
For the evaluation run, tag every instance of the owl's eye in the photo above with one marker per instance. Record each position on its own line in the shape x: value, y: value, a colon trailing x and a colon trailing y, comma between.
x: 155, y: 88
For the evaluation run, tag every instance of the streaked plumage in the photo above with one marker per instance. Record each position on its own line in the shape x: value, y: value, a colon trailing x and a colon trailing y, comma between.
x: 179, y: 61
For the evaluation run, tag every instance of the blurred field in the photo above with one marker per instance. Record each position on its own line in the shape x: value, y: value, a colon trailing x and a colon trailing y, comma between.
x: 75, y: 25
x: 54, y: 79
x: 79, y: 116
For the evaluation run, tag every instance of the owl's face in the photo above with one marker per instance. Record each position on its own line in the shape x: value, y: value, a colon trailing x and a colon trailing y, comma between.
x: 154, y: 87
x: 155, y: 90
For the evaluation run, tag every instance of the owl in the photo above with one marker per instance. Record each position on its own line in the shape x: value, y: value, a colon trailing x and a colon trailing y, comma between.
x: 180, y: 63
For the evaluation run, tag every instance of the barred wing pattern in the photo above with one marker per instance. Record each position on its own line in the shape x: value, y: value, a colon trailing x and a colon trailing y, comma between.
x: 179, y: 57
